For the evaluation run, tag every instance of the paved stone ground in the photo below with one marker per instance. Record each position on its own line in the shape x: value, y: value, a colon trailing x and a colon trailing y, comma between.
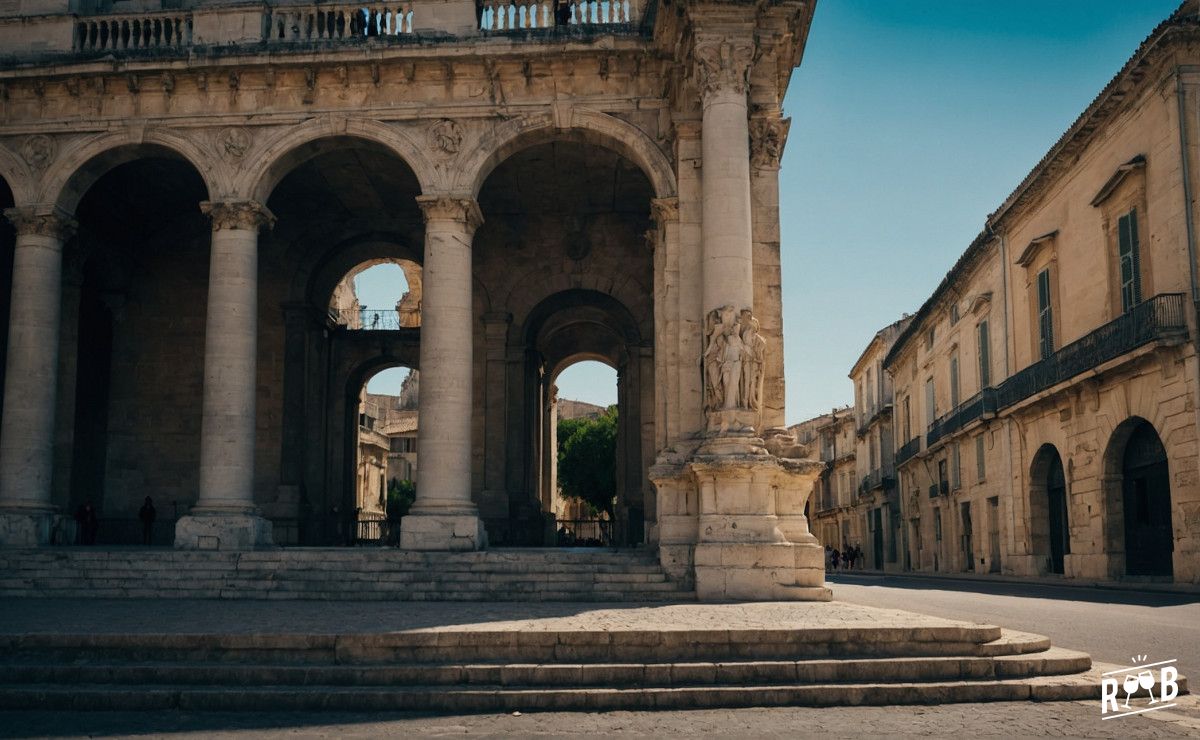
x: 180, y: 616
x: 1007, y: 720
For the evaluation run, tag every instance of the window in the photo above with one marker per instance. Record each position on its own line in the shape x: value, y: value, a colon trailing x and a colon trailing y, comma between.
x: 980, y: 461
x: 1128, y: 252
x: 937, y: 524
x: 955, y: 468
x: 871, y: 449
x: 984, y: 346
x: 1045, y: 315
x: 907, y: 421
x: 930, y: 402
x: 954, y: 380
x: 929, y: 338
x: 953, y: 314
x: 870, y: 397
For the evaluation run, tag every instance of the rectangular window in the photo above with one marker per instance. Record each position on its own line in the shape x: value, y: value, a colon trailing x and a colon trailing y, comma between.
x: 937, y: 524
x: 980, y: 460
x: 1045, y: 315
x: 907, y: 421
x: 930, y: 402
x: 954, y: 380
x: 955, y: 468
x: 1128, y: 251
x: 929, y: 338
x: 953, y: 314
x: 984, y: 346
x: 870, y: 401
x: 871, y: 449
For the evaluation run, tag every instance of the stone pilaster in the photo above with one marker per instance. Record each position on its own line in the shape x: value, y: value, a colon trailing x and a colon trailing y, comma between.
x: 225, y: 516
x: 31, y: 377
x: 444, y: 517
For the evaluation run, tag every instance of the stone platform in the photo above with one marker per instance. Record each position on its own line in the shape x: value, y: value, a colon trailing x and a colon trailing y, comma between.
x: 465, y: 657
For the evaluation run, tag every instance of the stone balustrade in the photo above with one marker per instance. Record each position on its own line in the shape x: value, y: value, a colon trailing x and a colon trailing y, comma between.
x: 338, y: 22
x: 133, y: 32
x: 499, y: 15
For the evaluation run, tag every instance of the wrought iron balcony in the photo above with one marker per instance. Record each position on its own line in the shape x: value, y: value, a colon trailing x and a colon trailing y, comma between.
x: 908, y: 449
x: 975, y: 407
x: 1159, y: 318
x: 942, y: 488
x: 367, y: 319
x: 878, y: 478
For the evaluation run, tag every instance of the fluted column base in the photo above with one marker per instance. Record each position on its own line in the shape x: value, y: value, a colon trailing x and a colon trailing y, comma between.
x: 442, y: 531
x: 223, y: 530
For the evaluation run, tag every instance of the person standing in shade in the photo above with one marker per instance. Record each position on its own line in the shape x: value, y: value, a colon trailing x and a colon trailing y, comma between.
x: 147, y: 514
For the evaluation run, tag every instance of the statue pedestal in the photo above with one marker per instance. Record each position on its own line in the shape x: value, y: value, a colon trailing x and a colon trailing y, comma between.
x: 733, y: 515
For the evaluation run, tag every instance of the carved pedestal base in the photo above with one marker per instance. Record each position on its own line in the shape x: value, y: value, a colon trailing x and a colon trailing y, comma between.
x: 780, y: 571
x: 420, y: 531
x: 222, y: 531
x: 25, y: 527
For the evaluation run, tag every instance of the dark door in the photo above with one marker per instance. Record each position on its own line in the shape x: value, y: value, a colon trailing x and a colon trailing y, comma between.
x: 877, y: 553
x: 1148, y: 538
x: 968, y: 545
x: 1056, y: 492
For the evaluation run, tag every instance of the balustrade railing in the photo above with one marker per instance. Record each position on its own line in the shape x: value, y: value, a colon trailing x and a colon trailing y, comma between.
x: 908, y: 449
x: 513, y: 15
x: 133, y: 32
x: 367, y: 319
x: 338, y: 22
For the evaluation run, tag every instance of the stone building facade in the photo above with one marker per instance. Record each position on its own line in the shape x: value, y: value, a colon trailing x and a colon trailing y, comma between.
x: 188, y: 183
x: 1046, y: 393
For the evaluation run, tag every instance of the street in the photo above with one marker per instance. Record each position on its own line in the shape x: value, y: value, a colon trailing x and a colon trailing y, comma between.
x: 1108, y: 624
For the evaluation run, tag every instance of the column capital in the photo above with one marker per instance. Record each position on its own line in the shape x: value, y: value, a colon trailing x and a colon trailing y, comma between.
x: 29, y: 221
x: 722, y: 62
x: 664, y: 211
x: 240, y: 215
x: 462, y: 209
x: 767, y: 138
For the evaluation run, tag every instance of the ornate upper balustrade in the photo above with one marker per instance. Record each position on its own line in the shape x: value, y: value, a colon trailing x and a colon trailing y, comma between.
x: 34, y: 28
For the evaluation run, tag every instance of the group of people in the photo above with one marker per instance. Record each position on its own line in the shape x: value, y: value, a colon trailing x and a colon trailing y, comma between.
x: 847, y: 559
x: 87, y: 522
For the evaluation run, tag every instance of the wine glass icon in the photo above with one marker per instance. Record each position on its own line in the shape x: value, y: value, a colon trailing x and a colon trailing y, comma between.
x: 1146, y: 681
x: 1130, y: 684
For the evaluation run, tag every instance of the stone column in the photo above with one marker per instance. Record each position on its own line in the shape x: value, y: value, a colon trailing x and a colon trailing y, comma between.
x: 225, y: 517
x: 444, y: 517
x: 31, y: 377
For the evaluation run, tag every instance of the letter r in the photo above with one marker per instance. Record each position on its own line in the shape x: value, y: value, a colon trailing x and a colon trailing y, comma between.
x: 1108, y: 695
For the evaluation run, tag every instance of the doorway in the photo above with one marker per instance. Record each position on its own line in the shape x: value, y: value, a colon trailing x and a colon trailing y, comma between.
x: 1146, y: 482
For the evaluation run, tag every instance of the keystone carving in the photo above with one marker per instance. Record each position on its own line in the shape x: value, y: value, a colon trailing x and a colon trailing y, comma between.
x: 245, y: 215
x: 446, y: 136
x: 38, y: 151
x: 723, y: 64
x: 233, y: 143
x: 767, y: 137
x: 28, y: 223
x: 734, y: 354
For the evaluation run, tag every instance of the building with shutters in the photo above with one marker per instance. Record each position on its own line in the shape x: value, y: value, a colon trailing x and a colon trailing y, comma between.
x: 1046, y: 393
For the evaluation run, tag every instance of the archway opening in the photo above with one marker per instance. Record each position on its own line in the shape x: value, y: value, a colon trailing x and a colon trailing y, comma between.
x: 1048, y: 511
x: 379, y: 295
x: 1137, y: 481
x: 134, y: 311
x: 582, y: 481
x: 385, y: 461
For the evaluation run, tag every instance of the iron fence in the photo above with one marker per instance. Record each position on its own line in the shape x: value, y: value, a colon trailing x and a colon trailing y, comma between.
x: 585, y: 533
x: 367, y: 319
x: 908, y: 449
x: 973, y: 408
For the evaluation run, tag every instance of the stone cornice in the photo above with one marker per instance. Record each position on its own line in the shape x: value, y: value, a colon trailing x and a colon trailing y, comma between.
x: 28, y: 222
x: 243, y: 215
x: 459, y: 209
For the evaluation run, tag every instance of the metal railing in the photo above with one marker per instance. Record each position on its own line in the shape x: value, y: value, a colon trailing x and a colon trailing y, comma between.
x: 973, y: 408
x: 1160, y: 317
x: 878, y: 478
x: 908, y: 449
x: 376, y: 529
x: 367, y: 319
x: 942, y: 488
x: 584, y: 533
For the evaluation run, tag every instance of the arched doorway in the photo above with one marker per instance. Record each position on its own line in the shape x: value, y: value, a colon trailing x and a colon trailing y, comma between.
x: 584, y: 454
x: 1138, y: 498
x: 1049, y: 521
x: 382, y: 483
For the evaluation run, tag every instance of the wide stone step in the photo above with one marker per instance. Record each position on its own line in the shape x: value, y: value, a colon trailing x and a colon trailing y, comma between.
x: 658, y: 675
x: 505, y: 699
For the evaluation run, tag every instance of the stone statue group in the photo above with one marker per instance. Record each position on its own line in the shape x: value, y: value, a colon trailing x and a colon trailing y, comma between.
x: 734, y: 352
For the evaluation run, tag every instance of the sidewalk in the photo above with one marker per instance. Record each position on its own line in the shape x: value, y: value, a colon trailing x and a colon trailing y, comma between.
x: 1165, y: 588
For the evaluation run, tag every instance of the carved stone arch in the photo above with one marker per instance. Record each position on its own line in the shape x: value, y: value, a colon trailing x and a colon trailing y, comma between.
x: 297, y: 144
x: 20, y: 178
x: 322, y: 266
x: 83, y: 162
x: 537, y: 285
x: 582, y: 126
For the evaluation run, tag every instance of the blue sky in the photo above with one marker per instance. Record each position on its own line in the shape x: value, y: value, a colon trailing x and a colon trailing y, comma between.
x: 911, y: 121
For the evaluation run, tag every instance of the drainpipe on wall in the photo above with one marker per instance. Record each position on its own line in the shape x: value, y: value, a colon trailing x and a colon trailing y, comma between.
x: 1187, y: 186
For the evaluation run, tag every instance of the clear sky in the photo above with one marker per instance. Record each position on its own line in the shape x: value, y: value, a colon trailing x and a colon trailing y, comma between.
x: 911, y: 121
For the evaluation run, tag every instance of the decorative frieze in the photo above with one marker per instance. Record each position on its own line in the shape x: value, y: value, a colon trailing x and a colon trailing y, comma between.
x: 446, y: 137
x: 27, y: 222
x: 244, y: 215
x: 233, y: 142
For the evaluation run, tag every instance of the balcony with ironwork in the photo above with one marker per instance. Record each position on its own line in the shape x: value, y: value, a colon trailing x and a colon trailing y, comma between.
x: 363, y: 319
x: 939, y: 489
x: 979, y: 406
x: 908, y: 449
x: 870, y: 416
x: 880, y: 478
x: 1160, y: 318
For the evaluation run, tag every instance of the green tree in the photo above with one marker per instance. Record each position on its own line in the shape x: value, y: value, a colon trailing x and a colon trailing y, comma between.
x: 587, y: 455
x: 400, y: 497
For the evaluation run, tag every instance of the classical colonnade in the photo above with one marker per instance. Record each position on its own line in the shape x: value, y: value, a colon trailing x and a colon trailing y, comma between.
x: 444, y: 516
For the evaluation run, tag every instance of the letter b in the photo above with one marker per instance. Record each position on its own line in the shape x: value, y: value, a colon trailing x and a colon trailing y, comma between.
x: 1170, y: 687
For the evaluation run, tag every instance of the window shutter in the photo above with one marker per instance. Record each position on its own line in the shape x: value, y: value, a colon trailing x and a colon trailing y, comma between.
x: 985, y: 356
x: 1045, y: 315
x: 1130, y: 260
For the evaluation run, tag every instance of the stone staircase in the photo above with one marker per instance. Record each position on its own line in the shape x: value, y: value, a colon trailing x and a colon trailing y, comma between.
x: 357, y: 574
x: 514, y: 668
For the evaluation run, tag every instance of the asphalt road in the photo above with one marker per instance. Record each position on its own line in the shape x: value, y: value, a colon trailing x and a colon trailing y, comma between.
x: 1110, y: 625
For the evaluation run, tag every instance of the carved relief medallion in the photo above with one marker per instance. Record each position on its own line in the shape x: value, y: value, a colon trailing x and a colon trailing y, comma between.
x: 233, y: 143
x: 446, y: 136
x: 767, y: 137
x: 38, y: 151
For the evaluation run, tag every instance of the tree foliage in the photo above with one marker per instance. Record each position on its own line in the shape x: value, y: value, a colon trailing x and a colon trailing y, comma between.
x: 400, y: 497
x: 587, y: 455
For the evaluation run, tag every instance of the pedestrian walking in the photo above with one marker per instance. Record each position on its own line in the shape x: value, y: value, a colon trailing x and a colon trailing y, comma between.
x: 147, y: 514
